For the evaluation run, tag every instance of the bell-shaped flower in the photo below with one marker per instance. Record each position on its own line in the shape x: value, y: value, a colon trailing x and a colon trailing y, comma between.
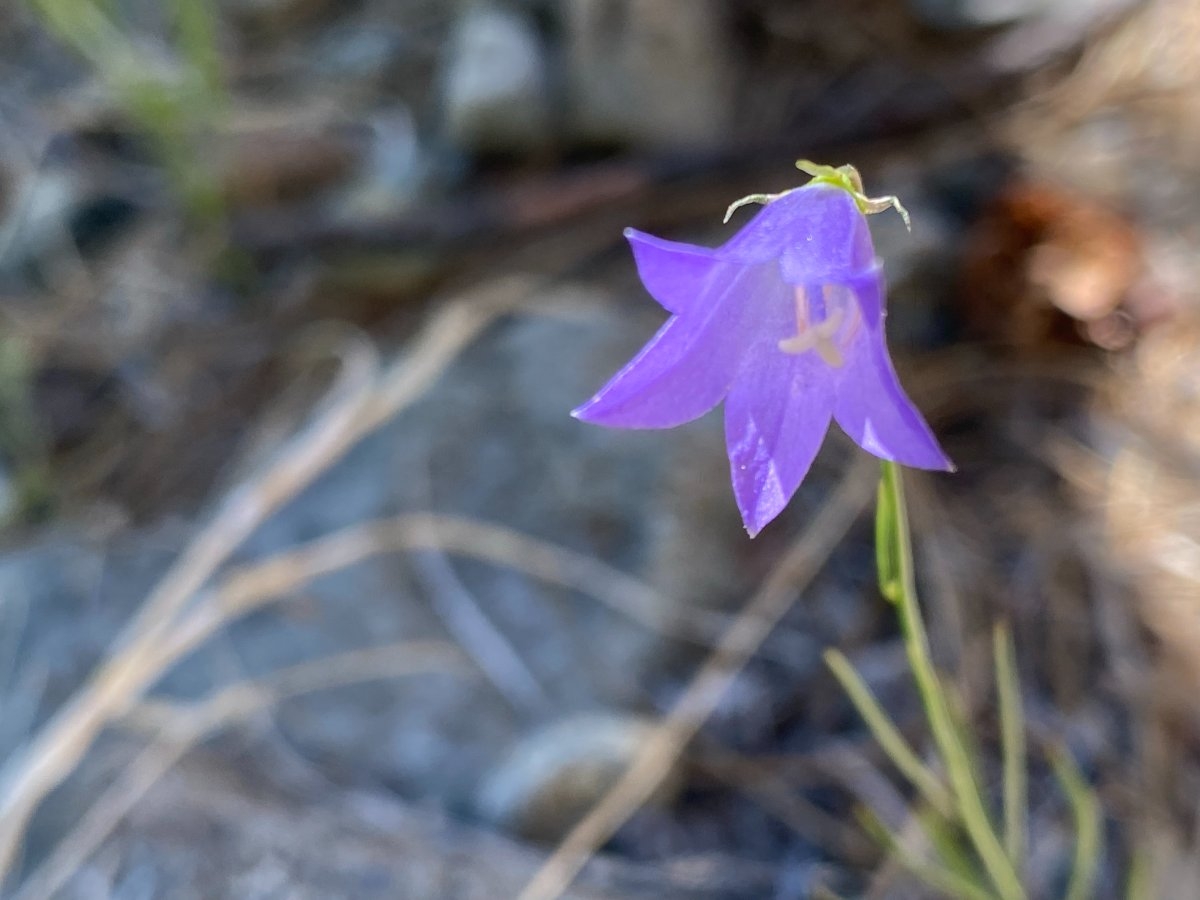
x: 785, y: 323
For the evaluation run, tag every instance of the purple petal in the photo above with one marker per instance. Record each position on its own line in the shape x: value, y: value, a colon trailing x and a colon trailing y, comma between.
x: 871, y: 407
x: 869, y: 288
x: 776, y: 417
x: 686, y: 369
x: 816, y: 232
x: 675, y: 274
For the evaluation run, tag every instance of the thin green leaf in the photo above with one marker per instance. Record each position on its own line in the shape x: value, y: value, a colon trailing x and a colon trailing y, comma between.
x: 1085, y: 811
x: 938, y: 877
x: 964, y: 731
x: 946, y: 839
x: 197, y: 29
x: 888, y: 736
x: 1141, y: 876
x: 1013, y: 744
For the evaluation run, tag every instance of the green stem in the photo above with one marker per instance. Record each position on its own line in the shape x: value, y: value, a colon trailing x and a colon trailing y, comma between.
x: 888, y: 735
x: 898, y: 583
x: 944, y: 880
x: 1012, y: 740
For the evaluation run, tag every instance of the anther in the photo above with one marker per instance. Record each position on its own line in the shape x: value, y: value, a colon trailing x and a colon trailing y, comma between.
x: 819, y: 337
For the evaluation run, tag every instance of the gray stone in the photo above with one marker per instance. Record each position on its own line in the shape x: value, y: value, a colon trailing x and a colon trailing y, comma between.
x: 494, y: 82
x: 556, y: 774
x: 1037, y: 29
x: 36, y: 221
x: 508, y: 454
x: 652, y: 74
x: 960, y: 14
x: 1062, y: 25
x: 206, y: 832
x: 491, y: 440
x: 393, y: 171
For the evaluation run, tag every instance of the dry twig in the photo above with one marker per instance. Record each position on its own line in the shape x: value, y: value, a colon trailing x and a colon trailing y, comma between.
x: 136, y: 660
x: 665, y: 745
x: 179, y: 727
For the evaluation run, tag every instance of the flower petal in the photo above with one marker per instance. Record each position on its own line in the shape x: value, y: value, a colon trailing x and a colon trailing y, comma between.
x: 776, y: 417
x: 687, y: 367
x: 817, y: 233
x: 870, y: 405
x: 675, y: 274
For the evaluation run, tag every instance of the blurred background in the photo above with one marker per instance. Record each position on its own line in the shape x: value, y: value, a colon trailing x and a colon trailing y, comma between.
x: 309, y: 585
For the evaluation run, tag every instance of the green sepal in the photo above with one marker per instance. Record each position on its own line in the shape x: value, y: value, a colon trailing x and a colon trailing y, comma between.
x: 847, y: 178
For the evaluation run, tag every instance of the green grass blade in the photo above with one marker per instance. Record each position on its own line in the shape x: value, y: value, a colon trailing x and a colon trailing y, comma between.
x: 1140, y: 884
x: 946, y: 839
x: 1085, y: 811
x: 196, y: 27
x: 940, y: 878
x: 888, y: 735
x: 1013, y: 744
x: 171, y: 104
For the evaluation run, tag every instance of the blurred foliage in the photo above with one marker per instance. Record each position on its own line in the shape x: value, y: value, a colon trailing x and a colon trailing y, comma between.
x: 22, y: 442
x: 173, y: 94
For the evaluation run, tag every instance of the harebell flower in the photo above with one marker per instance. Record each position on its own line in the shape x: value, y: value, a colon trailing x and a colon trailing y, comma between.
x: 785, y: 323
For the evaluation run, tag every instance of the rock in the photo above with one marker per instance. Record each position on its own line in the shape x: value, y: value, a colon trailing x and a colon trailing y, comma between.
x: 509, y: 454
x: 214, y: 830
x: 954, y: 15
x: 1038, y: 29
x: 494, y: 83
x: 491, y: 440
x: 357, y: 50
x: 555, y: 775
x: 651, y: 74
x: 395, y: 168
x: 36, y: 223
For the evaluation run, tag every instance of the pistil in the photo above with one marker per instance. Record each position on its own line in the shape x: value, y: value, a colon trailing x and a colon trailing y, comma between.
x: 817, y: 336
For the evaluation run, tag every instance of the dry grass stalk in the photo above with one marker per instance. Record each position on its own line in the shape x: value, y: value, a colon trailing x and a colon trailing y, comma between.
x: 776, y: 795
x: 1151, y: 501
x: 136, y: 660
x: 176, y: 728
x: 246, y: 588
x: 749, y: 629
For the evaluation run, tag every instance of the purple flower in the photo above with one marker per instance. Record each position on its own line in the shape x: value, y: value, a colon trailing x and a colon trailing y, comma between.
x: 785, y: 323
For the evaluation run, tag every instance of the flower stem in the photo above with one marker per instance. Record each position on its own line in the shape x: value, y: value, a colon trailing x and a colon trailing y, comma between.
x: 898, y: 584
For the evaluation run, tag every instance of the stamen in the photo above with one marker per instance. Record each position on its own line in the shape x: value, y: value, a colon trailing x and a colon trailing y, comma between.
x: 826, y: 348
x: 803, y: 340
x: 819, y: 337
